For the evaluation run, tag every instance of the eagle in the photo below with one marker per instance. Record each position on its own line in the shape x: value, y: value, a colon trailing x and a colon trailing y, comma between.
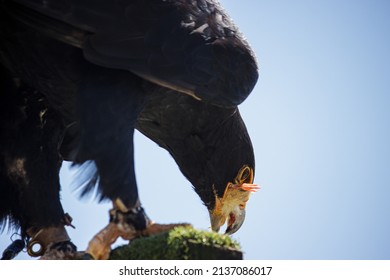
x: 79, y: 76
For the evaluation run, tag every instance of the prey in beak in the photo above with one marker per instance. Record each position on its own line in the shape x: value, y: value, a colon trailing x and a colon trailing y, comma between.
x: 231, y: 207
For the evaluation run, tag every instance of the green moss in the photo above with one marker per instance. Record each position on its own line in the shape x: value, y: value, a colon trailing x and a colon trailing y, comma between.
x: 180, y: 243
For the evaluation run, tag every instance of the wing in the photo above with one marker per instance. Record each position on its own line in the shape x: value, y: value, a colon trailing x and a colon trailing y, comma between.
x: 189, y: 46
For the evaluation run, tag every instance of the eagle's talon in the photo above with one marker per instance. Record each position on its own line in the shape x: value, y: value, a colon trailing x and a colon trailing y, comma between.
x: 124, y: 225
x: 48, y: 239
x: 65, y: 250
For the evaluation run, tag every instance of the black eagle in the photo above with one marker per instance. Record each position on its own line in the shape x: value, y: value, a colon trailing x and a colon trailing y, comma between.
x: 78, y: 76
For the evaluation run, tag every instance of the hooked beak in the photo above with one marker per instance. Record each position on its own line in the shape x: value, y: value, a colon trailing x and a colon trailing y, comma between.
x: 231, y: 208
x: 235, y: 220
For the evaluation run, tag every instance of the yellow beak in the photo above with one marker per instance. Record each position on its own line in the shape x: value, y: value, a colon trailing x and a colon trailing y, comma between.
x: 231, y: 207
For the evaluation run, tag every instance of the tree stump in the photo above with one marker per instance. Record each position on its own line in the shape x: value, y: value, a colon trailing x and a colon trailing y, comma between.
x: 182, y: 243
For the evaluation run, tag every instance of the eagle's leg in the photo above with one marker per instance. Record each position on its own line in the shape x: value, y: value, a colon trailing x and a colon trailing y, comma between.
x: 111, y: 101
x: 31, y: 164
x: 126, y: 223
x: 42, y: 215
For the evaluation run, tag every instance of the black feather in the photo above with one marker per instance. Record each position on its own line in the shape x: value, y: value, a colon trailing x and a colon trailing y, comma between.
x: 175, y: 70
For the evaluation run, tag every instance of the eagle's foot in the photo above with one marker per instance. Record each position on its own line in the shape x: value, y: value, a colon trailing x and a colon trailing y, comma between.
x: 123, y: 223
x: 50, y: 243
x: 65, y: 250
x: 128, y: 224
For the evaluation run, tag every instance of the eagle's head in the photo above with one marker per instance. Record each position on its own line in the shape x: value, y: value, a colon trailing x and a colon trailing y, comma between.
x: 212, y: 148
x: 223, y: 171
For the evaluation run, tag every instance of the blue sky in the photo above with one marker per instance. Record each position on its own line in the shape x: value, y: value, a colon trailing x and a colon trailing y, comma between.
x: 319, y: 120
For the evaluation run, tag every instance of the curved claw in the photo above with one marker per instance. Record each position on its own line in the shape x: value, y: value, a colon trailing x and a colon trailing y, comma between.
x: 250, y: 187
x: 100, y: 245
x: 61, y: 251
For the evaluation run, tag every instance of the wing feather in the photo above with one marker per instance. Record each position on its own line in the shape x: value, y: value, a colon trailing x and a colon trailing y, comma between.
x: 189, y: 46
